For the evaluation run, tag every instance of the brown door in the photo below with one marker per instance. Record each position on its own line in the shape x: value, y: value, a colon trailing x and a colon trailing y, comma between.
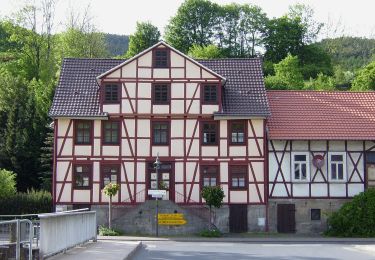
x: 165, y: 177
x: 370, y: 170
x: 286, y: 220
x: 238, y: 218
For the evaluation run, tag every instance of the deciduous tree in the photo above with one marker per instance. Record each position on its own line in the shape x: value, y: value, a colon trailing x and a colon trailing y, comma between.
x: 144, y: 37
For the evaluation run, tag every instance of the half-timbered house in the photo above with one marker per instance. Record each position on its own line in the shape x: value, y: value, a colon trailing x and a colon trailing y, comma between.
x: 205, y: 119
x: 321, y: 154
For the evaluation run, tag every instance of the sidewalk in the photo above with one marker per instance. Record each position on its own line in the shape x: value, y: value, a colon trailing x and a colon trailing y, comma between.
x: 247, y: 239
x: 103, y: 249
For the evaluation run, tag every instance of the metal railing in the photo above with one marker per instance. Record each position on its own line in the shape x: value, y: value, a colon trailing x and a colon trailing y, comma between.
x: 16, y: 239
x: 63, y: 230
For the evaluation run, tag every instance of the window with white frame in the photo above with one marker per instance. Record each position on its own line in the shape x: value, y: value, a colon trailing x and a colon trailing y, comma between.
x: 300, y: 166
x: 337, y: 166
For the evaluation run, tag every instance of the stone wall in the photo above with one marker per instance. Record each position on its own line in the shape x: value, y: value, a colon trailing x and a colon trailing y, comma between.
x: 303, y: 207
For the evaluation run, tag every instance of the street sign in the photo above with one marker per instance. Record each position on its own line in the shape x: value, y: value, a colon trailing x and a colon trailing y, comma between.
x: 157, y: 193
x: 171, y: 216
x: 171, y: 219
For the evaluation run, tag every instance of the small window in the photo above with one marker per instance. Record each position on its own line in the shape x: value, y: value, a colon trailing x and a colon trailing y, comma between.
x: 315, y: 214
x: 83, y: 132
x: 209, y: 133
x: 160, y: 133
x: 161, y: 94
x: 210, y: 175
x: 237, y: 132
x: 337, y: 166
x: 161, y: 57
x: 111, y: 93
x: 210, y: 94
x: 111, y: 130
x: 110, y: 174
x: 82, y: 176
x: 300, y: 166
x: 238, y: 177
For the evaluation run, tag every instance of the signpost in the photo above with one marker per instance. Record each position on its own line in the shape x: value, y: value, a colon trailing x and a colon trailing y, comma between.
x: 175, y: 219
x: 157, y: 193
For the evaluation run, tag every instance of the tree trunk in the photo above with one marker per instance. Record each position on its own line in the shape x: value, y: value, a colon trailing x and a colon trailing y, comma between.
x: 210, y: 225
x: 110, y: 213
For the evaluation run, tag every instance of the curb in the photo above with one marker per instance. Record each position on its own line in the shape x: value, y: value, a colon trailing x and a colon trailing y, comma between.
x: 133, y: 251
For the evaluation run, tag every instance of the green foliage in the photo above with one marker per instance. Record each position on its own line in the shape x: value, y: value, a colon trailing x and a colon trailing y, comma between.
x: 111, y: 189
x: 117, y: 45
x: 31, y: 202
x: 144, y: 37
x: 7, y: 184
x: 205, y: 52
x: 287, y: 75
x: 104, y: 231
x: 314, y: 60
x: 210, y: 233
x: 365, y: 78
x: 322, y: 82
x: 355, y: 218
x: 213, y: 196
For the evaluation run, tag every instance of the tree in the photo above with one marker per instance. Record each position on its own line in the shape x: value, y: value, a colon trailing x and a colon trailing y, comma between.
x: 206, y: 52
x: 144, y: 37
x: 7, y: 183
x: 322, y: 82
x: 46, y: 161
x: 110, y: 190
x: 287, y: 75
x: 282, y: 36
x: 214, y: 198
x: 193, y: 24
x: 314, y: 60
x: 365, y: 78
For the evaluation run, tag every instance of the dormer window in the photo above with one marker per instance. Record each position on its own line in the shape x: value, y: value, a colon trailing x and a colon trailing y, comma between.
x: 111, y: 93
x: 210, y: 94
x: 161, y: 58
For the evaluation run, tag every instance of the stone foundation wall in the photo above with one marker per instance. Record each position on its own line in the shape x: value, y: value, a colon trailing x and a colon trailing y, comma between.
x: 304, y: 224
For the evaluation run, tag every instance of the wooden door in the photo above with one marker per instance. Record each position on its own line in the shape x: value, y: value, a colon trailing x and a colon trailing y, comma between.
x: 166, y: 180
x: 238, y: 218
x: 286, y: 219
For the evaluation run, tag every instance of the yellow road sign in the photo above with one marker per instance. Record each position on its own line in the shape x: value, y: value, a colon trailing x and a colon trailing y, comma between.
x: 172, y: 222
x: 174, y: 216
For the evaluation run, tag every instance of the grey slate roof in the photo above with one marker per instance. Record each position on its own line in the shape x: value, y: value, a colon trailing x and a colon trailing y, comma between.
x: 77, y: 93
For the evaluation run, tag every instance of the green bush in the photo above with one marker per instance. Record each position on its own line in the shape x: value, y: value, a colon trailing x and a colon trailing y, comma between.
x: 104, y: 231
x: 7, y: 183
x: 355, y: 218
x: 31, y: 202
x: 210, y: 233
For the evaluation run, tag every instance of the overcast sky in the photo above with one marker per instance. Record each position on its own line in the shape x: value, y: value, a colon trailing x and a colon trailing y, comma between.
x: 357, y: 17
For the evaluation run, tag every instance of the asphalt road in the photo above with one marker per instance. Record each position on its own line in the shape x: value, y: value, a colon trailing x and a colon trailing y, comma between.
x: 160, y: 250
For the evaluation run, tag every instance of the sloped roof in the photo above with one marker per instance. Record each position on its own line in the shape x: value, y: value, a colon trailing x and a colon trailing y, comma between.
x: 304, y: 115
x: 77, y: 93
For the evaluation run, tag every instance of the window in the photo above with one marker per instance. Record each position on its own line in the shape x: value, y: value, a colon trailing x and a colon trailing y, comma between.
x: 315, y: 214
x: 238, y: 177
x: 111, y: 93
x: 210, y: 175
x: 110, y: 174
x: 210, y: 94
x: 237, y: 132
x: 209, y: 133
x: 111, y: 130
x: 160, y: 133
x: 83, y: 132
x: 161, y: 94
x: 337, y: 166
x: 300, y: 166
x: 161, y: 58
x: 82, y: 176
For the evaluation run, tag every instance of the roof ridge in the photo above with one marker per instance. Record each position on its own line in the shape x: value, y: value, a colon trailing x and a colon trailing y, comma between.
x: 73, y: 58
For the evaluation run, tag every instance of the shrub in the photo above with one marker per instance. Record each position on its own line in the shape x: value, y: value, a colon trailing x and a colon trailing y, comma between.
x: 31, y: 202
x: 355, y: 218
x: 210, y: 233
x: 104, y: 231
x: 7, y: 183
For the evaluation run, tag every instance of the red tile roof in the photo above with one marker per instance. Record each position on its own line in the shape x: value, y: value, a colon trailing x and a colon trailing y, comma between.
x: 303, y: 115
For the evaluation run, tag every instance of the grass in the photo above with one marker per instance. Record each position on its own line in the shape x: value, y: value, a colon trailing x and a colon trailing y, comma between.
x: 104, y: 231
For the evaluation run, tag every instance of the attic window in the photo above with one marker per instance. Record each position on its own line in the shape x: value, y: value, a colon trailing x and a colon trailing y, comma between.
x: 161, y: 58
x: 111, y: 93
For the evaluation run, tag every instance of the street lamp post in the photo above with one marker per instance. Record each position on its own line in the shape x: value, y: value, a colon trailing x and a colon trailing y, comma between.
x: 157, y: 164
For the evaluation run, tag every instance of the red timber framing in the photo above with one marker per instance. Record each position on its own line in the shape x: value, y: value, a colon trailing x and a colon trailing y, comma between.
x: 135, y: 150
x: 282, y: 159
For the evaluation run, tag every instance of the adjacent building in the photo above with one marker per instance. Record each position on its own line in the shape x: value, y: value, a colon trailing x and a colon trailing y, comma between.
x: 211, y: 123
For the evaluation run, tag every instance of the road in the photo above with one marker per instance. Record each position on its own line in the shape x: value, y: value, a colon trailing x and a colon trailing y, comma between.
x: 161, y: 250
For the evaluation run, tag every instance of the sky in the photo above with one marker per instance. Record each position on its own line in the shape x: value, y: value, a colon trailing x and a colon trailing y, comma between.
x: 354, y: 17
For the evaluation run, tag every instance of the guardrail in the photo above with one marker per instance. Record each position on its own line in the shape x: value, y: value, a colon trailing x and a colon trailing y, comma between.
x: 14, y: 236
x: 63, y: 230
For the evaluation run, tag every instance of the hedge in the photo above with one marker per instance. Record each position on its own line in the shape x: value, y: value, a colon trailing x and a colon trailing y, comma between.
x: 355, y: 218
x: 31, y: 202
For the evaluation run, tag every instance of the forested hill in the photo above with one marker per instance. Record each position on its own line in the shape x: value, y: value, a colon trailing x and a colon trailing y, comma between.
x: 350, y: 53
x: 117, y: 44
